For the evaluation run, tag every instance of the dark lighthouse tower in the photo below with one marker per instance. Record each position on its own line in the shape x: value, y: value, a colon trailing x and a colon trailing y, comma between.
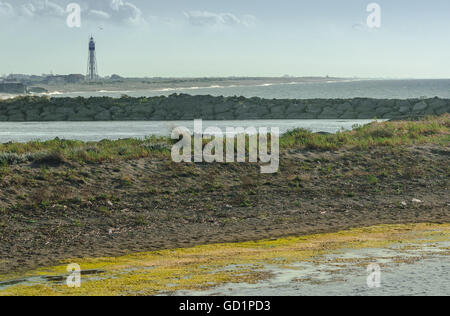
x: 92, y: 71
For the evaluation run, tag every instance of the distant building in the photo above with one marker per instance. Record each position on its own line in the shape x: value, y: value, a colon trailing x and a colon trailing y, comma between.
x: 18, y: 77
x: 116, y: 77
x: 64, y: 79
x: 55, y: 80
x: 12, y: 87
x: 74, y: 78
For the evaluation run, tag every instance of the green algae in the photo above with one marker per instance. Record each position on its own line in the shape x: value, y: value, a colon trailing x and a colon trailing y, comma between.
x: 206, y: 267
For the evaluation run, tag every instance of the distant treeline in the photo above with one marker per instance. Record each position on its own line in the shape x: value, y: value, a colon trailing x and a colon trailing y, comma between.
x: 187, y: 107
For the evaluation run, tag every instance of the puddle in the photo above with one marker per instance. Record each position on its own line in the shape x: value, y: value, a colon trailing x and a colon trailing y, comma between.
x: 413, y: 259
x: 406, y: 269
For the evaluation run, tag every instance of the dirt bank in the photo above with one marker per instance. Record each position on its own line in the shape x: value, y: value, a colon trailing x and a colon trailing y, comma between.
x: 48, y: 213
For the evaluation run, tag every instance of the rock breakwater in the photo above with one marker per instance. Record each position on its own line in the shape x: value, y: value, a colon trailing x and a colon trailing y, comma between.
x: 187, y: 107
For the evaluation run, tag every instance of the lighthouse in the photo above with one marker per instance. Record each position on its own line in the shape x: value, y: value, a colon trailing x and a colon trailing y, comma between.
x: 92, y: 71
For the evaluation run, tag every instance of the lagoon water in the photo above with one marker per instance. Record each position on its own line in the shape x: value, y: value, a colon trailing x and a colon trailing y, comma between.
x: 96, y: 131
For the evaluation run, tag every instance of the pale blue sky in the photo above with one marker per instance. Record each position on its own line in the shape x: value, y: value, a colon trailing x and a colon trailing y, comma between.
x: 229, y: 38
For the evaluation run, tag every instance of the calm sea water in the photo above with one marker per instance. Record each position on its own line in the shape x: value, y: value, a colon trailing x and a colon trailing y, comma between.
x: 395, y: 89
x: 95, y: 131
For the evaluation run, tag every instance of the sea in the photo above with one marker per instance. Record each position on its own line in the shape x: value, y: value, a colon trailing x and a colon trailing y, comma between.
x: 351, y: 88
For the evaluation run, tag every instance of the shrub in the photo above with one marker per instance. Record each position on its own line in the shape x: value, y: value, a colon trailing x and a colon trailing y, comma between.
x: 54, y: 158
x: 12, y: 158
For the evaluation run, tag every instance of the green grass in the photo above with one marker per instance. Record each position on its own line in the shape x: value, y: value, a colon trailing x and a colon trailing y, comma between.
x: 435, y: 130
x: 60, y: 151
x: 429, y: 130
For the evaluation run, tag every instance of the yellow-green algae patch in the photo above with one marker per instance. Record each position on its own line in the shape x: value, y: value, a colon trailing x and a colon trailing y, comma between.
x: 208, y: 266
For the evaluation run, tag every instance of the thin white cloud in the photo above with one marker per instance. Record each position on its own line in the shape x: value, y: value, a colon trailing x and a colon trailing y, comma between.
x: 115, y: 11
x: 248, y: 20
x: 208, y: 19
x: 27, y: 10
x: 125, y: 12
x: 6, y: 9
x: 162, y: 21
x: 43, y: 8
x: 36, y: 8
x: 98, y: 14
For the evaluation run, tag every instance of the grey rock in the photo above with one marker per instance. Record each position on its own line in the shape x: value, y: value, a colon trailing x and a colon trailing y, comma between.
x: 63, y: 110
x: 188, y: 117
x: 344, y: 107
x: 306, y: 116
x: 33, y: 115
x: 159, y: 116
x: 366, y: 105
x: 222, y: 108
x: 393, y: 115
x: 366, y: 115
x: 86, y: 112
x: 383, y: 110
x: 208, y: 111
x: 225, y: 116
x: 11, y: 108
x: 348, y: 115
x: 103, y: 116
x: 328, y: 113
x: 402, y: 103
x: 428, y: 111
x: 257, y: 111
x: 314, y: 109
x: 441, y: 111
x: 142, y: 109
x: 390, y: 103
x: 437, y: 104
x: 280, y: 109
x: 295, y: 109
x: 420, y: 106
x: 14, y: 112
x: 160, y: 112
x: 404, y: 109
x: 52, y: 116
x: 16, y: 117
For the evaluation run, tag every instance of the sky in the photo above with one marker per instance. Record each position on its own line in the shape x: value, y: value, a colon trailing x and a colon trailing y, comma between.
x: 211, y: 38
